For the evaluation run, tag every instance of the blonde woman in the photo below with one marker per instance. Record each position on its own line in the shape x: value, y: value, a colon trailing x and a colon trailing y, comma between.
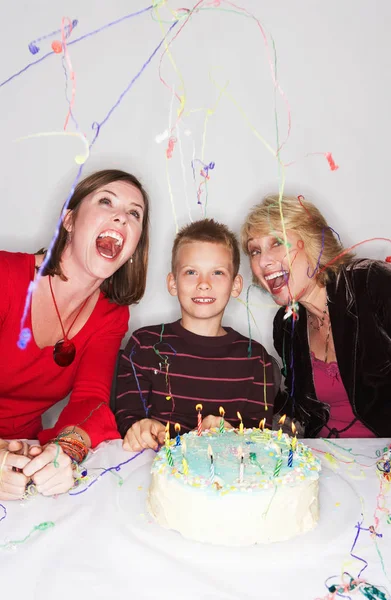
x: 333, y: 330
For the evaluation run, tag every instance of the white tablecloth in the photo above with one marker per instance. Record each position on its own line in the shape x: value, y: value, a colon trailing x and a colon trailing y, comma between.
x: 104, y: 545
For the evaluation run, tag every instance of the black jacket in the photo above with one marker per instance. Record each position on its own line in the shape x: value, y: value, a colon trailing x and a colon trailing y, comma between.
x: 360, y: 313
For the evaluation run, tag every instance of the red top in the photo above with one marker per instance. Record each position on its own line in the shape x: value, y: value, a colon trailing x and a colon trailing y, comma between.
x: 30, y: 380
x: 330, y: 389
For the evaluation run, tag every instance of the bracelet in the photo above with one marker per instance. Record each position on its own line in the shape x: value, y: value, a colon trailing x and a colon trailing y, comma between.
x: 67, y: 432
x: 76, y: 450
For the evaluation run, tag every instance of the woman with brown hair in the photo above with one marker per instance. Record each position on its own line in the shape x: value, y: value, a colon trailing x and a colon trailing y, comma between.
x: 333, y: 331
x: 78, y: 316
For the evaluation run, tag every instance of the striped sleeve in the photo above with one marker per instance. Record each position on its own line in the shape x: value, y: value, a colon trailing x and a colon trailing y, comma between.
x: 133, y: 386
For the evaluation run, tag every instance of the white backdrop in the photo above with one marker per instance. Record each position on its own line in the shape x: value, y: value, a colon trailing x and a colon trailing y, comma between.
x: 333, y: 66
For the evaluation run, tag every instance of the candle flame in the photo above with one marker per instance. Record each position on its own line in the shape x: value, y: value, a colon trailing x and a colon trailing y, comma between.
x: 210, y: 451
x: 168, y: 427
x: 282, y: 420
x: 199, y: 407
x: 177, y: 427
x: 293, y: 428
x: 239, y: 416
x: 221, y: 411
x: 262, y: 423
x: 240, y: 452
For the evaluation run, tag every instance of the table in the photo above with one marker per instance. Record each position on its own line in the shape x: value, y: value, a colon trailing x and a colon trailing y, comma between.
x: 104, y: 545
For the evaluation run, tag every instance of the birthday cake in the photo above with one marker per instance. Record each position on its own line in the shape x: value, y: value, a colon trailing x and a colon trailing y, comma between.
x: 235, y: 488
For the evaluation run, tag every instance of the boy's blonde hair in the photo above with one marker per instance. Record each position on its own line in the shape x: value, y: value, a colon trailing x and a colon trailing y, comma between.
x: 207, y: 230
x: 320, y: 241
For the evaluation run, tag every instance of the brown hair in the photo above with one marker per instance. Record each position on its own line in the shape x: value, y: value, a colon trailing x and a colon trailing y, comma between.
x: 127, y: 284
x: 320, y: 241
x: 207, y: 230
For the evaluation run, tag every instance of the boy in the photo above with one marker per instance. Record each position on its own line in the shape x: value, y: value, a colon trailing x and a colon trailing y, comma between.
x: 166, y: 370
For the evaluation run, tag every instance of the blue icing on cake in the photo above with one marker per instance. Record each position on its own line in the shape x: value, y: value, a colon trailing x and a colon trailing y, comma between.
x: 261, y: 452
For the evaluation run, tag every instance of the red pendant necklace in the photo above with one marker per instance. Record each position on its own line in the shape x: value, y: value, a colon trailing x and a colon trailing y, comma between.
x: 64, y: 350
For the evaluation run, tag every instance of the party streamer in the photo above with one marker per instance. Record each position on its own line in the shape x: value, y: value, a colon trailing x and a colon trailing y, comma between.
x: 25, y: 333
x: 34, y: 49
x: 76, y: 41
x: 108, y: 470
x: 11, y: 545
x: 4, y: 511
x: 80, y: 159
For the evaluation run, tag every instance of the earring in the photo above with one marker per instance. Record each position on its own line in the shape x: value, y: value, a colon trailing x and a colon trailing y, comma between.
x: 131, y: 259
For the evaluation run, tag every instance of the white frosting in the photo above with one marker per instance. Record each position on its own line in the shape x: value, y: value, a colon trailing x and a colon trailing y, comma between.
x: 236, y: 514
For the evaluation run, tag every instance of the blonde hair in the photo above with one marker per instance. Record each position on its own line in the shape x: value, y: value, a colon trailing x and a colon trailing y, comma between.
x: 321, y: 243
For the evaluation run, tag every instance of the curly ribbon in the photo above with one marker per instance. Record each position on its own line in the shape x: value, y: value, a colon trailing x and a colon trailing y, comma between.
x: 108, y: 470
x: 5, y: 512
x: 25, y: 333
x: 353, y: 586
x: 80, y: 159
x: 41, y: 527
x: 76, y: 41
x: 34, y: 49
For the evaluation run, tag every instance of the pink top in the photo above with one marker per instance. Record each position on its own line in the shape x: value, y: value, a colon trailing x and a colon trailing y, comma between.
x: 330, y: 389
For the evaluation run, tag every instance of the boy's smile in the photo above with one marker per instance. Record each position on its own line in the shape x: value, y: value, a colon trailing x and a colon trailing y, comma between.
x: 204, y: 282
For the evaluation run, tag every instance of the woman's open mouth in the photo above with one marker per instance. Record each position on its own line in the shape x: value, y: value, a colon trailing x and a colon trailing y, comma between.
x: 276, y: 281
x: 109, y: 243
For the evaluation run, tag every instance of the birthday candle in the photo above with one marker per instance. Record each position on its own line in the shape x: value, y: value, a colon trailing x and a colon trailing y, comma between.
x: 294, y: 441
x: 178, y: 437
x: 265, y: 432
x: 281, y: 422
x: 212, y: 467
x: 167, y: 446
x: 185, y: 464
x: 290, y: 458
x: 222, y: 413
x: 167, y: 434
x: 241, y: 469
x: 199, y: 419
x: 241, y: 423
x: 278, y: 466
x: 170, y: 460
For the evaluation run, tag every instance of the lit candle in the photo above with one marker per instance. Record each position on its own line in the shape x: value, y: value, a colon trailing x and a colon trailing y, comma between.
x: 178, y: 437
x: 167, y: 446
x: 212, y: 467
x: 281, y: 422
x: 241, y: 423
x: 294, y: 441
x: 167, y: 434
x: 185, y: 464
x: 199, y: 419
x: 241, y: 469
x: 265, y: 432
x: 222, y: 413
x: 278, y: 466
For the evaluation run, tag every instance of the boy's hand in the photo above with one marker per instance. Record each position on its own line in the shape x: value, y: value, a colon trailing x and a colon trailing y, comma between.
x: 213, y: 421
x: 146, y: 433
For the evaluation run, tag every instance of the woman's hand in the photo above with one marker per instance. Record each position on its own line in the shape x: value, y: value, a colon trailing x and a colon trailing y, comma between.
x: 12, y: 481
x: 213, y: 421
x: 146, y: 433
x: 50, y: 469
